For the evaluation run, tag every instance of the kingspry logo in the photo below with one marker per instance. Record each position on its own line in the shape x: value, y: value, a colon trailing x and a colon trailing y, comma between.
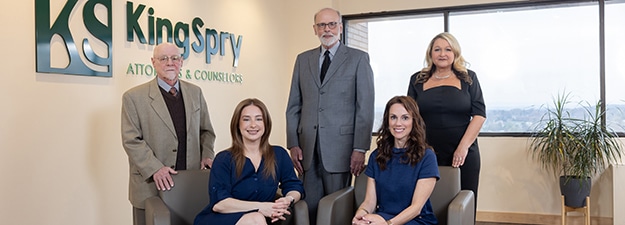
x: 91, y: 55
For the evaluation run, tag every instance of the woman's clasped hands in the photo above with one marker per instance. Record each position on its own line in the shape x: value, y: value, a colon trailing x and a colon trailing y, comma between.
x: 276, y: 210
x: 362, y: 217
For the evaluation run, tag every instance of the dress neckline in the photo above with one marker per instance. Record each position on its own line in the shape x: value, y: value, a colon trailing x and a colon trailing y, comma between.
x: 398, y: 150
x: 441, y: 86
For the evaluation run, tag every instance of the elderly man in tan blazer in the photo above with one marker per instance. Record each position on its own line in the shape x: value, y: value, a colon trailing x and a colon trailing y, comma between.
x: 165, y: 127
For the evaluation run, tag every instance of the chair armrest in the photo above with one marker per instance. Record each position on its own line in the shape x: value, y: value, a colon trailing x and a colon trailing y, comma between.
x: 461, y: 210
x: 300, y: 213
x: 336, y: 208
x: 156, y: 212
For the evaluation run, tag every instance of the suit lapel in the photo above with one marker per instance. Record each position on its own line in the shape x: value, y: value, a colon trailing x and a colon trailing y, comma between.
x: 313, y: 63
x: 338, y: 59
x: 159, y: 106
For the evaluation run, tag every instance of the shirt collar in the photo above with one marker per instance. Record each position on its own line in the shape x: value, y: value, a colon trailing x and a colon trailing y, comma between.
x: 165, y: 86
x: 332, y: 50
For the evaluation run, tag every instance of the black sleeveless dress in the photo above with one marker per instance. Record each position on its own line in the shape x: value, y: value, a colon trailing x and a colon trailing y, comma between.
x: 447, y: 111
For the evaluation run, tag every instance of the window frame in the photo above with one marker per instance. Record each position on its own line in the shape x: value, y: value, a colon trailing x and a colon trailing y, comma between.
x: 502, y: 6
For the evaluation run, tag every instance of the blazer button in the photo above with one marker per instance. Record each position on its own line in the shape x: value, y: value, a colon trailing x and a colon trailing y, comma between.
x: 315, y: 127
x: 320, y: 110
x: 174, y: 150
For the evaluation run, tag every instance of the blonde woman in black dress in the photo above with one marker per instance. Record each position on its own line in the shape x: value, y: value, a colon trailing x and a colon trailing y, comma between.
x: 451, y: 104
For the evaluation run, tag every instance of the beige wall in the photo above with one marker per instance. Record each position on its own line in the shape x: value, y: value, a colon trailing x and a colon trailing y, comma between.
x: 60, y: 145
x: 512, y: 182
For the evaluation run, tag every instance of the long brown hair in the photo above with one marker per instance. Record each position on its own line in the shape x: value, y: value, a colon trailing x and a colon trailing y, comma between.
x: 238, y: 148
x: 416, y: 143
x: 459, y: 66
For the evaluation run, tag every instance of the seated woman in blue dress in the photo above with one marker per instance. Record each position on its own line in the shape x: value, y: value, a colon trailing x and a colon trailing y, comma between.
x: 244, y: 179
x: 402, y: 171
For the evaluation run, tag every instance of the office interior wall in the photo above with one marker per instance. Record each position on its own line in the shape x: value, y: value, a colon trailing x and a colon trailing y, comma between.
x: 618, y: 182
x: 60, y: 145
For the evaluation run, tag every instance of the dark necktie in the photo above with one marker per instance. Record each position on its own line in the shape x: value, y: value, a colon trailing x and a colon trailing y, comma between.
x: 173, y: 91
x: 325, y: 65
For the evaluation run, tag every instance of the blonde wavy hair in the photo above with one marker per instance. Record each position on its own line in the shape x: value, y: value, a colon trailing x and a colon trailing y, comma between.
x: 459, y: 66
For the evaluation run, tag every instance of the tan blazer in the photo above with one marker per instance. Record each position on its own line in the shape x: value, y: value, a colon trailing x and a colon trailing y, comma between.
x: 149, y: 136
x: 340, y: 109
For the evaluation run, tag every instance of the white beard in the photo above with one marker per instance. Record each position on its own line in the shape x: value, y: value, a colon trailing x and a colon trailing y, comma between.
x: 170, y: 76
x: 329, y: 41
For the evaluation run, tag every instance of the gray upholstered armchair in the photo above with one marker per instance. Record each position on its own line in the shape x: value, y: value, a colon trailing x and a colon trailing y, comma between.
x: 189, y: 196
x: 450, y: 204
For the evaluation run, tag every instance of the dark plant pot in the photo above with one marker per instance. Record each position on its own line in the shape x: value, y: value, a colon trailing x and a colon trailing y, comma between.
x: 575, y: 189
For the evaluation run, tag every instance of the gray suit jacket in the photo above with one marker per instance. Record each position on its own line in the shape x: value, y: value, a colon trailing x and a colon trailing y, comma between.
x: 149, y: 136
x: 340, y: 108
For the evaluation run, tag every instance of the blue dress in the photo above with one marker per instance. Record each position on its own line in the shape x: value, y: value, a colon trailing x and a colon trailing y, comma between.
x: 396, y: 184
x: 250, y: 186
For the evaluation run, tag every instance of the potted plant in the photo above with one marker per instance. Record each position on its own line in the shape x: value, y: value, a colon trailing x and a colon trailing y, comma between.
x: 574, y: 147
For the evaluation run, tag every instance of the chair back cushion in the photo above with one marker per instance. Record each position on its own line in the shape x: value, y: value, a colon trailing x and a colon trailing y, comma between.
x: 360, y: 188
x: 188, y: 196
x: 445, y: 191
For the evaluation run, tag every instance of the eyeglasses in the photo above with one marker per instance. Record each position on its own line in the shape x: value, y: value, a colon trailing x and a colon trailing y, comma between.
x: 165, y: 59
x: 330, y: 25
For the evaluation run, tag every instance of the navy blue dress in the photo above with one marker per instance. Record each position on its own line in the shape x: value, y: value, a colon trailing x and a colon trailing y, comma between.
x: 395, y: 185
x: 250, y: 186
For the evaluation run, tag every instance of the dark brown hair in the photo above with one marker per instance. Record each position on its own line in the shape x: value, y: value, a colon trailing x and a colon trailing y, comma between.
x: 416, y: 143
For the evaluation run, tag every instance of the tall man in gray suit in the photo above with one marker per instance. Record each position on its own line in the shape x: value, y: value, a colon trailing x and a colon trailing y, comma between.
x: 165, y: 128
x: 330, y: 112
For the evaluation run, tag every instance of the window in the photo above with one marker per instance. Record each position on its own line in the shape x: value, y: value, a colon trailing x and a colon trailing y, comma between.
x: 396, y: 51
x: 615, y: 69
x: 524, y: 53
x: 526, y: 57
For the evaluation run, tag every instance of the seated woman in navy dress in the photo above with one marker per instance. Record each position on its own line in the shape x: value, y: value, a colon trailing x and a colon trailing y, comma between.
x: 244, y: 179
x: 402, y: 171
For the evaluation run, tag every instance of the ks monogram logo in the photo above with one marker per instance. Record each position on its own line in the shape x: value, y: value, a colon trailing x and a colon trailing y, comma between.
x: 90, y: 55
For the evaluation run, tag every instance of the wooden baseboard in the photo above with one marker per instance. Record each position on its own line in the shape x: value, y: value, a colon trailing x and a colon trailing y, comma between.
x: 526, y: 218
